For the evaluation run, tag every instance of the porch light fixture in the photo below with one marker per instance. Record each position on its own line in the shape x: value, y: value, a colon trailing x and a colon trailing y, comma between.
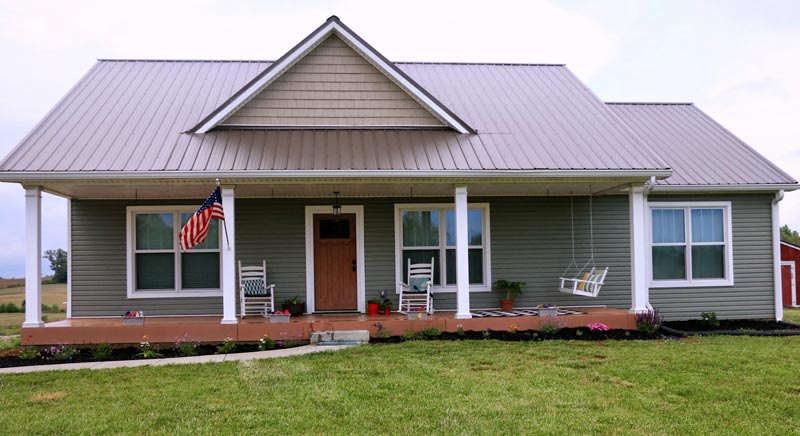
x: 337, y: 208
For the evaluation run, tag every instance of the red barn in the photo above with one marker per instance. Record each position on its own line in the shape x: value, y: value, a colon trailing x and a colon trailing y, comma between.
x: 790, y: 273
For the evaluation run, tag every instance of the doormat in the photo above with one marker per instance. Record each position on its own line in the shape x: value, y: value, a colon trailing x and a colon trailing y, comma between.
x: 518, y: 312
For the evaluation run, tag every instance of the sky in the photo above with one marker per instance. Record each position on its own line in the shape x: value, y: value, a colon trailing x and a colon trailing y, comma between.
x: 739, y: 61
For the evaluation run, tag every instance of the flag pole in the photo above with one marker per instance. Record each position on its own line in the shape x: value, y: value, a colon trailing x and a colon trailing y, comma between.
x: 225, y: 226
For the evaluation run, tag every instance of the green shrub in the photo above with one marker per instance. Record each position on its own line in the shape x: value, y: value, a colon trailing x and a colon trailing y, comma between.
x: 266, y: 343
x: 710, y: 319
x: 28, y: 353
x: 430, y: 333
x: 227, y: 346
x: 102, y: 351
x: 409, y: 335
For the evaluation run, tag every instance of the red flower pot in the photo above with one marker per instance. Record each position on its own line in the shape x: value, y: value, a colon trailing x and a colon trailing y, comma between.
x: 387, y: 310
x: 372, y: 308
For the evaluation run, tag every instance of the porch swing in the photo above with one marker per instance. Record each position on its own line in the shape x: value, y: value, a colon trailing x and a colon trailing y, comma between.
x: 583, y: 283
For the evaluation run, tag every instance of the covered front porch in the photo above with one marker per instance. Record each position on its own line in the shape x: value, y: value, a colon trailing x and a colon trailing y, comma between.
x: 167, y: 330
x: 525, y: 233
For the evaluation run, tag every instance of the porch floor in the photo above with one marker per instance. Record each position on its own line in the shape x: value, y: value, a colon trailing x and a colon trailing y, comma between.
x: 252, y: 328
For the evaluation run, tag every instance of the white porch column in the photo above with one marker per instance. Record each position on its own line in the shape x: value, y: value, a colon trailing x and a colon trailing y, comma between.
x: 229, y: 257
x: 33, y: 256
x: 640, y: 294
x: 462, y: 254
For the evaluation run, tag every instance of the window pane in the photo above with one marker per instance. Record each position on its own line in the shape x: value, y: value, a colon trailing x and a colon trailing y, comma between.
x: 154, y: 231
x: 420, y: 228
x: 334, y: 229
x: 155, y: 271
x: 708, y: 262
x: 212, y: 239
x: 475, y: 266
x: 707, y: 225
x: 421, y: 256
x: 668, y: 226
x: 200, y: 270
x: 474, y: 225
x: 669, y: 262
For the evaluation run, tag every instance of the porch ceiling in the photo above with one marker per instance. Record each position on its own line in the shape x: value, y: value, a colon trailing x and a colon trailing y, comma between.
x: 324, y: 189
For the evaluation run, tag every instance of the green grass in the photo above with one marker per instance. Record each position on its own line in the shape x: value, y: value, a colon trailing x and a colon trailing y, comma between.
x: 715, y: 385
x: 792, y: 315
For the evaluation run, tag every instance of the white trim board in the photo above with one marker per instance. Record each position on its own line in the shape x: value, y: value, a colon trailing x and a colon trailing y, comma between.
x: 792, y: 280
x: 358, y: 210
x: 332, y: 26
x: 487, y: 252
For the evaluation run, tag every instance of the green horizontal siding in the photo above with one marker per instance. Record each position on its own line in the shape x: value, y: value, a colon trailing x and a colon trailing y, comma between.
x: 530, y: 241
x: 99, y: 266
x: 752, y: 295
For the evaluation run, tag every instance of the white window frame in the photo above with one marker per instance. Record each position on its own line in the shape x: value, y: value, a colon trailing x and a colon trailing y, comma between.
x: 486, y: 286
x: 687, y: 207
x: 176, y: 211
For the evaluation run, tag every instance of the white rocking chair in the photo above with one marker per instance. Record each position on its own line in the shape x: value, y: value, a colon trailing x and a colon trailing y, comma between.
x: 255, y: 297
x: 416, y: 294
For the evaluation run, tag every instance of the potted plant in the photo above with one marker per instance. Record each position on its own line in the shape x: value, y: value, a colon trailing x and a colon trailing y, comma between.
x: 294, y: 305
x: 133, y: 317
x: 511, y: 289
x: 386, y: 306
x: 373, y: 306
x: 280, y: 316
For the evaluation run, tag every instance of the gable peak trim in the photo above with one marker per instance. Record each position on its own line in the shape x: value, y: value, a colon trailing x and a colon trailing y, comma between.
x: 332, y: 26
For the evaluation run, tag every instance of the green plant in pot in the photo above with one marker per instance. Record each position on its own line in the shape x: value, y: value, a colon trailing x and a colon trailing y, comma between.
x: 294, y: 305
x: 385, y: 307
x: 373, y: 306
x: 511, y: 289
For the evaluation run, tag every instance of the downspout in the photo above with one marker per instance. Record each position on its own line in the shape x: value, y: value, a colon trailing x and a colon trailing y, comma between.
x: 776, y: 255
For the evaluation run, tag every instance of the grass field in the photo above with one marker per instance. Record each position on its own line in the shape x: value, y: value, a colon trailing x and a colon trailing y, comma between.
x: 715, y: 385
x: 51, y: 294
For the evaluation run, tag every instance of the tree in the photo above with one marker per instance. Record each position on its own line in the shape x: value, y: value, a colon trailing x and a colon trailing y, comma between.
x: 789, y: 235
x: 58, y: 263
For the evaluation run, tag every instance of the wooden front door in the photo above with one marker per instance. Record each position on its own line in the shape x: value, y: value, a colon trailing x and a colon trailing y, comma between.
x: 335, y: 262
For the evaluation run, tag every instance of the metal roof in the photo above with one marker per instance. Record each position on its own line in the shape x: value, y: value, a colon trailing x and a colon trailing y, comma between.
x: 699, y: 150
x: 130, y: 116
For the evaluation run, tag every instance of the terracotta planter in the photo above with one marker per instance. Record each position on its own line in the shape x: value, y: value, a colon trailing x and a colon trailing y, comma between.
x: 506, y: 305
x: 373, y: 308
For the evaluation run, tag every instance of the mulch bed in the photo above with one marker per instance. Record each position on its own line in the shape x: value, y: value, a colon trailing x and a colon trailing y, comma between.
x: 578, y: 334
x: 729, y: 324
x: 9, y: 358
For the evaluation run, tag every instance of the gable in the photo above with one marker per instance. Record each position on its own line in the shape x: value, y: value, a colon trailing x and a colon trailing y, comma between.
x: 333, y: 85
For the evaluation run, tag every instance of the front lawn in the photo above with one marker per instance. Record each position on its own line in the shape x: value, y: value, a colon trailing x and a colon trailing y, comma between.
x: 709, y: 385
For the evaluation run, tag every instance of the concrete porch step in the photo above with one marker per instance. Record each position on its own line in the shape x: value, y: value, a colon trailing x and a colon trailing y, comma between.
x: 340, y: 337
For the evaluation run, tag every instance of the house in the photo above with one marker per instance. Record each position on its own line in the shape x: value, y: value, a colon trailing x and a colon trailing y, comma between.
x: 496, y: 171
x: 790, y: 270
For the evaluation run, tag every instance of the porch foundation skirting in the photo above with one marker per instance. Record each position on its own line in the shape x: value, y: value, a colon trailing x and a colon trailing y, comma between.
x: 209, y: 329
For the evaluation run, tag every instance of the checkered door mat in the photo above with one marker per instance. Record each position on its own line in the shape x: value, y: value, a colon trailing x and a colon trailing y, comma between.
x: 518, y: 312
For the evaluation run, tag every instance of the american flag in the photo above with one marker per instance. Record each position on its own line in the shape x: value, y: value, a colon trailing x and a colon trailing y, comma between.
x: 196, y: 229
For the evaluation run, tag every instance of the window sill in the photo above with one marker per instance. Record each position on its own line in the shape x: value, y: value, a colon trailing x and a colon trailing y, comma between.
x: 173, y: 294
x: 710, y: 283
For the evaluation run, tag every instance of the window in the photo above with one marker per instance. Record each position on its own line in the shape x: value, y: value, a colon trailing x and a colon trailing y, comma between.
x: 690, y: 244
x: 157, y: 267
x: 428, y: 231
